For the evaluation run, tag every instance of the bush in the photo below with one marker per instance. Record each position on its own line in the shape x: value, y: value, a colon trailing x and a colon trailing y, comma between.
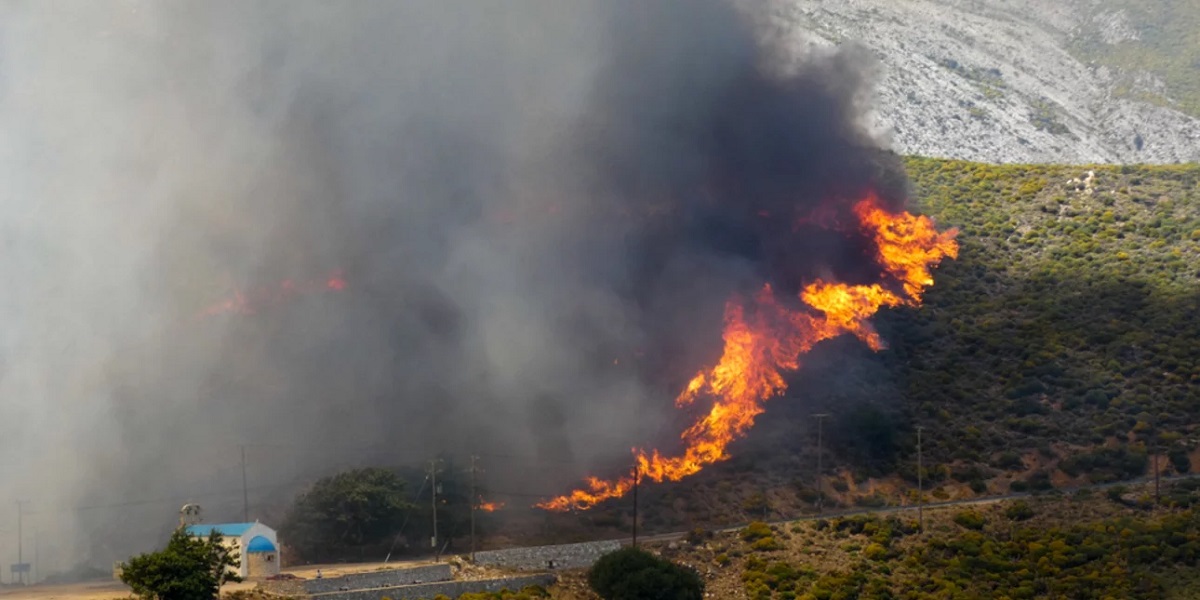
x: 1107, y: 464
x: 970, y: 519
x: 634, y: 574
x: 1019, y: 511
x: 756, y: 531
x: 352, y: 508
x: 697, y: 536
x: 1179, y: 460
x: 189, y: 568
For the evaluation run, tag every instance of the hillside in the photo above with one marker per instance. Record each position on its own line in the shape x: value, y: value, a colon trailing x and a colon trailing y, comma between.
x: 1082, y: 546
x: 1069, y: 319
x: 1059, y: 349
x: 1071, y: 82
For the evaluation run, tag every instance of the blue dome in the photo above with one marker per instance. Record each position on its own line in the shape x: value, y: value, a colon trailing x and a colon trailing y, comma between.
x: 260, y: 544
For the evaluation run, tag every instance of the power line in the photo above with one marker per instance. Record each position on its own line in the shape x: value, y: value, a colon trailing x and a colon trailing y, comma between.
x: 179, y: 498
x: 820, y: 417
x: 637, y: 470
x: 920, y: 484
x: 245, y: 492
x: 433, y: 465
x: 474, y: 502
x: 407, y: 516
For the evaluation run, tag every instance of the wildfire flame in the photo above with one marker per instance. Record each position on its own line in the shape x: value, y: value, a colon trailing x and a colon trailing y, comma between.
x: 490, y: 506
x: 763, y: 338
x: 248, y: 303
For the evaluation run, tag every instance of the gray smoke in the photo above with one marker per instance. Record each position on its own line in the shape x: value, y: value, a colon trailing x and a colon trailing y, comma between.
x: 539, y: 209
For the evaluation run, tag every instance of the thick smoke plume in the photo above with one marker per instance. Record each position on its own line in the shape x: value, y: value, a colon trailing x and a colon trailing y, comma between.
x: 537, y: 208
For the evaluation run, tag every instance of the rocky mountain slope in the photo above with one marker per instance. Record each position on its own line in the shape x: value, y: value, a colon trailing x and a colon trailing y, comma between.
x: 1077, y: 81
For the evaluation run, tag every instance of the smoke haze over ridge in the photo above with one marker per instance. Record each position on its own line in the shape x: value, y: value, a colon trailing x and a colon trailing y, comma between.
x: 517, y: 196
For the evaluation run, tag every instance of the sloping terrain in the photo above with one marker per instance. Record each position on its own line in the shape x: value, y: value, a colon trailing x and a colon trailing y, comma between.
x: 1084, y: 546
x: 1058, y: 349
x: 1068, y: 321
x: 1079, y: 81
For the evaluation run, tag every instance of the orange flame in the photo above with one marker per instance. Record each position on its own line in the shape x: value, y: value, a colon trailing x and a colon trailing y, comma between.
x: 490, y: 506
x: 248, y: 303
x: 767, y: 339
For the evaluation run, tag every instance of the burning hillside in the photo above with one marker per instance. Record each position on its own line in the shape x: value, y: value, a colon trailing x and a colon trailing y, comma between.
x: 523, y: 196
x: 765, y: 336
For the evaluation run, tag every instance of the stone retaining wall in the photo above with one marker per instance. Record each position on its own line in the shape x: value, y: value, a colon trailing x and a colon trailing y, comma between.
x: 565, y: 556
x: 452, y: 589
x: 380, y: 579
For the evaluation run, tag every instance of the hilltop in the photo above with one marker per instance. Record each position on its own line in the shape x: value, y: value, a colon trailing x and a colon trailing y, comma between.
x: 1072, y: 82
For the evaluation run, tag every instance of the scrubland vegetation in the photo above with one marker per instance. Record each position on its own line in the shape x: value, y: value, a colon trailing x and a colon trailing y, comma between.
x: 1116, y: 545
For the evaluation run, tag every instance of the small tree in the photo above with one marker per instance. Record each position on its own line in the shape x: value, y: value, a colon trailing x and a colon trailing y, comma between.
x: 634, y: 574
x: 352, y: 509
x: 189, y: 568
x: 1019, y: 511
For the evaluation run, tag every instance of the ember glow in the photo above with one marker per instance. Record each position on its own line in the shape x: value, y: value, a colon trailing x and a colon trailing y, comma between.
x: 490, y: 506
x: 764, y: 337
x: 250, y: 302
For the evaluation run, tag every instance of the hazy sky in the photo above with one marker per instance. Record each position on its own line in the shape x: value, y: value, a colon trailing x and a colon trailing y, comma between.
x: 538, y: 207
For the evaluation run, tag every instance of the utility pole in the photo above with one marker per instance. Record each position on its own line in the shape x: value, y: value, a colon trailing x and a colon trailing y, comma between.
x: 245, y: 490
x: 474, y: 501
x: 920, y: 484
x: 433, y: 505
x: 820, y: 417
x: 1156, y: 499
x: 20, y: 538
x: 636, y: 472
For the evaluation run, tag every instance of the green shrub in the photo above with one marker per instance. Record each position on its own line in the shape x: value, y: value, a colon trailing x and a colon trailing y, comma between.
x: 634, y: 574
x: 1179, y: 460
x: 756, y: 530
x: 970, y: 519
x: 698, y: 536
x: 875, y: 551
x: 1019, y: 511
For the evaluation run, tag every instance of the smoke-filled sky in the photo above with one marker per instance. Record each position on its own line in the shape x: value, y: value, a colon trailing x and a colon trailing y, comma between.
x: 539, y: 209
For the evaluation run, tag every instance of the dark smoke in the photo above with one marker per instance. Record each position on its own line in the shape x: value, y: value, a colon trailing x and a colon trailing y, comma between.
x: 540, y: 209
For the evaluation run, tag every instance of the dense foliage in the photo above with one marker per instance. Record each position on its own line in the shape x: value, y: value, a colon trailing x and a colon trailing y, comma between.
x: 189, y: 568
x: 634, y: 574
x: 1125, y: 555
x: 348, y: 510
x: 1069, y: 315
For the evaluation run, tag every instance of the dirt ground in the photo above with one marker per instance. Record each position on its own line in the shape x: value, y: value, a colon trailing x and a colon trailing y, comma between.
x: 111, y: 589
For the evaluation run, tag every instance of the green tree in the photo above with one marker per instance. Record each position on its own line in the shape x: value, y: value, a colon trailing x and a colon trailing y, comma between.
x: 189, y: 568
x: 353, y: 509
x: 1019, y: 511
x: 634, y: 574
